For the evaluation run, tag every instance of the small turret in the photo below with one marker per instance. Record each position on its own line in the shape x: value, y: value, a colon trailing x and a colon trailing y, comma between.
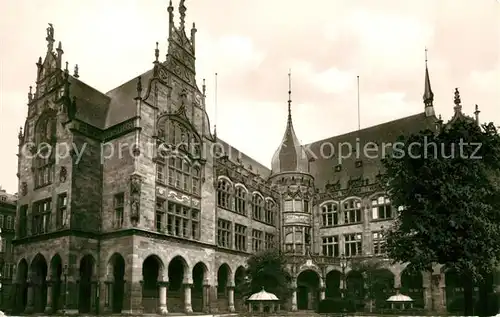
x: 60, y: 53
x: 193, y: 36
x: 428, y: 94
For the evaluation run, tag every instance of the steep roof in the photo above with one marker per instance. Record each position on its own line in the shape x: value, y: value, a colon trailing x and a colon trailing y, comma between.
x: 91, y: 104
x: 236, y: 155
x: 345, y: 165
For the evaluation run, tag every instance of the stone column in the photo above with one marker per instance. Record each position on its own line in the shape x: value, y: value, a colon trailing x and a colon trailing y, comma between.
x: 214, y: 307
x: 205, y: 298
x: 397, y: 283
x: 162, y: 309
x: 294, y: 299
x: 187, y: 298
x: 29, y: 302
x: 322, y: 293
x: 108, y: 299
x: 49, y: 305
x: 230, y: 299
x: 437, y: 282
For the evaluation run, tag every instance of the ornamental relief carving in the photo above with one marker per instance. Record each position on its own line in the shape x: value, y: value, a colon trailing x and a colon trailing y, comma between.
x: 296, y: 219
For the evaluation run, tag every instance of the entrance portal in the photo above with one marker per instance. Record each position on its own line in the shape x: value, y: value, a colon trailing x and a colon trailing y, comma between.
x: 308, y: 290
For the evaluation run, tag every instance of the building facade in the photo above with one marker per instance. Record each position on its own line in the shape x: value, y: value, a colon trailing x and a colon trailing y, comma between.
x: 8, y: 204
x: 144, y: 209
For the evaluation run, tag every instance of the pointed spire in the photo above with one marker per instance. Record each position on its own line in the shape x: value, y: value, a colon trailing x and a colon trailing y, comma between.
x: 428, y: 94
x: 290, y: 96
x: 157, y: 53
x: 457, y: 101
x: 30, y: 95
x: 75, y: 74
x: 170, y: 10
x: 139, y: 87
x: 476, y: 114
x: 182, y: 12
x: 204, y: 88
x: 20, y: 135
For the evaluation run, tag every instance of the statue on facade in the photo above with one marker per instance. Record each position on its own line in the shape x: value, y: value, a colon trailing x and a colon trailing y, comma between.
x: 50, y: 33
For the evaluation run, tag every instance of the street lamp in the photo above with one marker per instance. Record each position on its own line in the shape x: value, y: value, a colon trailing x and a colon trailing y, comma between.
x: 65, y: 274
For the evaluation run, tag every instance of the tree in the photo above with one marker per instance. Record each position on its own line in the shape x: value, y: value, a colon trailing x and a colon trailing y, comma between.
x: 447, y: 185
x: 378, y: 281
x: 267, y: 269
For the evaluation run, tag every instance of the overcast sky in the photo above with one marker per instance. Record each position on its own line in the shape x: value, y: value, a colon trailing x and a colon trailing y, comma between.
x: 252, y: 44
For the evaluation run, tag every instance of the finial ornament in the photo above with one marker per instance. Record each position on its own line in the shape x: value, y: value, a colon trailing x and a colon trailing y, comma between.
x: 66, y: 69
x: 139, y: 86
x: 182, y: 12
x: 50, y: 33
x: 426, y: 55
x: 157, y: 52
x: 457, y: 97
x: 290, y: 95
x: 75, y: 74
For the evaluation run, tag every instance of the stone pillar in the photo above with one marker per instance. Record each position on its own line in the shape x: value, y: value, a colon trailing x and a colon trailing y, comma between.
x: 437, y: 289
x: 214, y: 308
x: 230, y: 299
x: 29, y: 302
x: 162, y: 307
x: 108, y: 296
x: 49, y: 305
x: 187, y: 298
x: 322, y: 293
x: 206, y: 298
x: 294, y: 299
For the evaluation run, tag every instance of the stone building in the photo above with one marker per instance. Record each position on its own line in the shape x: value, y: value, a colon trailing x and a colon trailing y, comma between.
x: 143, y: 208
x: 7, y: 218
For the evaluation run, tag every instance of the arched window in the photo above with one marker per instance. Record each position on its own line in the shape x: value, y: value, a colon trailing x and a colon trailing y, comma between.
x: 224, y: 191
x: 257, y: 207
x: 381, y: 208
x: 196, y: 181
x: 351, y: 210
x: 330, y: 214
x: 43, y: 162
x: 270, y: 212
x: 241, y: 200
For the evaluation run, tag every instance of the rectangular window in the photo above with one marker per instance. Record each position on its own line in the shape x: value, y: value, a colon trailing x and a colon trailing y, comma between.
x: 330, y: 215
x: 288, y: 206
x: 353, y: 244
x: 160, y: 214
x: 381, y: 209
x: 223, y: 233
x: 269, y: 241
x: 61, y: 216
x: 378, y: 243
x: 257, y: 240
x: 240, y: 237
x: 160, y: 173
x: 9, y: 223
x: 23, y: 221
x: 183, y: 221
x: 118, y: 206
x: 330, y: 246
x: 41, y: 216
x: 352, y: 211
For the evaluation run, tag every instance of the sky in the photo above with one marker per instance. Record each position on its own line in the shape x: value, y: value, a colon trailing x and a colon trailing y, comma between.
x: 252, y: 45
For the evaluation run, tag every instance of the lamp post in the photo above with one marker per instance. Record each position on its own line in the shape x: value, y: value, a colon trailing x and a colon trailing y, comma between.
x: 65, y: 274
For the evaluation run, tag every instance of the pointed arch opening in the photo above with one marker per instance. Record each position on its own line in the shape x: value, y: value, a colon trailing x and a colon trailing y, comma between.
x: 308, y: 283
x: 177, y: 272
x: 116, y: 268
x: 56, y: 269
x: 200, y: 275
x: 20, y: 288
x: 38, y: 269
x: 86, y: 293
x: 152, y: 273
